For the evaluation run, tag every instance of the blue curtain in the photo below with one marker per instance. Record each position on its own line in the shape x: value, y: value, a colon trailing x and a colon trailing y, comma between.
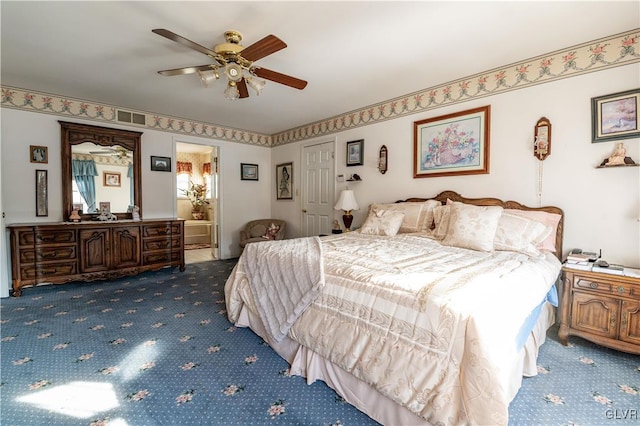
x: 84, y: 172
x: 130, y: 176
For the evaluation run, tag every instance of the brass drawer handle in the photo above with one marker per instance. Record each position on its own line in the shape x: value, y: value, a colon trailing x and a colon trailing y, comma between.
x: 620, y: 289
x: 593, y: 285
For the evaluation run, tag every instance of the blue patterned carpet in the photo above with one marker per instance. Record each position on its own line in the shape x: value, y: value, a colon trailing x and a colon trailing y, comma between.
x: 157, y: 349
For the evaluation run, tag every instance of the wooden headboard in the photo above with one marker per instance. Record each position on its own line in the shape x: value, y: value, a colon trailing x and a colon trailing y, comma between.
x: 454, y: 196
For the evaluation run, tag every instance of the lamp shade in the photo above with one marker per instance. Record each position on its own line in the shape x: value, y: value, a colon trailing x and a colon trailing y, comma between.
x: 347, y: 201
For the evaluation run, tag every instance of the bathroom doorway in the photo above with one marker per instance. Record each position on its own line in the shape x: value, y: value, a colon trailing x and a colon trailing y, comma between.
x: 197, y: 200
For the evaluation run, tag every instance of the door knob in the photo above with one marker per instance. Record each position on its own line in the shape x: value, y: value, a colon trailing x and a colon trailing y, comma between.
x: 304, y: 210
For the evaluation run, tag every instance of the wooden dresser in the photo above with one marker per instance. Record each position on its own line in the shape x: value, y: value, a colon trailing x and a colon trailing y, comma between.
x: 86, y: 251
x: 603, y: 308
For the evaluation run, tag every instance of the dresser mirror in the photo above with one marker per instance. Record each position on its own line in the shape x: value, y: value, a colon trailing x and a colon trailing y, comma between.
x: 101, y: 167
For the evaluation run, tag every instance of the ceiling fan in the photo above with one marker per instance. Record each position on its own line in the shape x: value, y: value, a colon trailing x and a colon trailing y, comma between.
x: 233, y: 59
x: 117, y: 151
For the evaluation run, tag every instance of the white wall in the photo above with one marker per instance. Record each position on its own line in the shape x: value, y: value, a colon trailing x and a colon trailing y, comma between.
x: 241, y: 201
x: 601, y: 206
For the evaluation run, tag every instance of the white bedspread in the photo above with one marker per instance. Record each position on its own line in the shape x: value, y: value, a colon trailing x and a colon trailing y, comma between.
x: 429, y: 326
x: 284, y: 277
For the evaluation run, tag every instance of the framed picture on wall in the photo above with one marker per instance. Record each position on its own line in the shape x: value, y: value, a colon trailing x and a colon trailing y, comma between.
x: 452, y: 144
x: 355, y: 153
x: 284, y: 181
x: 160, y: 164
x: 111, y: 179
x: 39, y: 154
x: 248, y: 171
x: 615, y: 116
x: 42, y: 193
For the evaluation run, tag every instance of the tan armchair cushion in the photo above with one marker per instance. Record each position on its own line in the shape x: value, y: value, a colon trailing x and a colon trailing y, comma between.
x: 256, y: 230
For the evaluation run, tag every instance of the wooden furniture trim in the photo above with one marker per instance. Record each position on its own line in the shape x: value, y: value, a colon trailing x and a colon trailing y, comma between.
x: 74, y: 134
x: 619, y: 297
x: 55, y: 252
x: 454, y: 196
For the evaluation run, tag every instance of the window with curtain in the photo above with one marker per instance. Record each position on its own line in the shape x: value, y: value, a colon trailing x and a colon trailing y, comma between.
x: 206, y: 174
x: 184, y: 169
x: 83, y: 173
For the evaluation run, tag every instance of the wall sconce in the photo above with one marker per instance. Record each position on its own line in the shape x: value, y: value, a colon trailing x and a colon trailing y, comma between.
x: 383, y: 158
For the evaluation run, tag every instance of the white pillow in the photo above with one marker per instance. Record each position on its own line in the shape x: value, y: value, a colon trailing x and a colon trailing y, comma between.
x: 382, y: 222
x: 472, y: 227
x: 517, y: 233
x: 418, y: 216
x: 549, y: 219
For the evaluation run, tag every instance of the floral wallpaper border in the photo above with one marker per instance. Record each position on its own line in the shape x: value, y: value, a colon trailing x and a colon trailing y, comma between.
x: 613, y: 51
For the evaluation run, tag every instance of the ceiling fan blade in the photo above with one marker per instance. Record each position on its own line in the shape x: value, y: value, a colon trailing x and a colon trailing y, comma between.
x: 277, y: 77
x: 242, y: 89
x: 186, y: 70
x: 261, y: 48
x: 186, y: 42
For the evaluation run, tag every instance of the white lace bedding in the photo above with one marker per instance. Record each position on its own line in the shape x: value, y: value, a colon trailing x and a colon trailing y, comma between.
x: 427, y: 325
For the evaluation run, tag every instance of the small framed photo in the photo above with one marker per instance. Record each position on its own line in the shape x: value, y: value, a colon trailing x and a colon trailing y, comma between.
x: 78, y: 207
x: 355, y: 153
x: 284, y: 181
x: 111, y: 179
x: 42, y: 193
x: 248, y: 171
x: 39, y: 154
x: 615, y: 116
x: 160, y: 164
x: 105, y: 207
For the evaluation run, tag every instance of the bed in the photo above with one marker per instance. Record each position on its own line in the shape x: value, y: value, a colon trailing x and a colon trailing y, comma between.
x: 430, y: 314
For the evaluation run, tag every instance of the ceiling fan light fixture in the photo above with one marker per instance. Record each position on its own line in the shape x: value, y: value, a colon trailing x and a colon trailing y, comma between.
x: 256, y: 85
x: 231, y: 92
x: 233, y: 72
x: 208, y: 77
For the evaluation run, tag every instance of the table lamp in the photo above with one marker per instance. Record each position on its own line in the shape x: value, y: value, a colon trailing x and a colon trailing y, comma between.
x: 347, y: 202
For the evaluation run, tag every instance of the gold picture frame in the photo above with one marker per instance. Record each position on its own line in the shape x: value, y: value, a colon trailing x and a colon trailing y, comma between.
x: 452, y: 144
x: 38, y: 154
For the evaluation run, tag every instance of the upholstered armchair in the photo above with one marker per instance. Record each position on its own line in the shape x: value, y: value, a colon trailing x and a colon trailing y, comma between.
x: 262, y: 230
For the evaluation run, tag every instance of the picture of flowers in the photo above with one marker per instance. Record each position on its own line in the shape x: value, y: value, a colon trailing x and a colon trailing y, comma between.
x: 453, y: 144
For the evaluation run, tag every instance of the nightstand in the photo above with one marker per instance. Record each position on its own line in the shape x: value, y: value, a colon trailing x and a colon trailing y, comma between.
x: 600, y: 307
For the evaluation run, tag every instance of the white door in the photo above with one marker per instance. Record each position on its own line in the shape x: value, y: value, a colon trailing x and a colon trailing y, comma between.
x: 317, y: 188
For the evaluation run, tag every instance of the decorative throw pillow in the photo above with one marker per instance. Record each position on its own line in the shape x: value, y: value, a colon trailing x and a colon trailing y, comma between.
x: 517, y: 233
x: 382, y: 222
x: 271, y: 232
x: 418, y: 216
x: 472, y: 227
x: 441, y: 221
x: 549, y: 219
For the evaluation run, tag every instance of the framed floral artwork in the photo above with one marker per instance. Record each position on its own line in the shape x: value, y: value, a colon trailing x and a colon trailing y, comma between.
x: 615, y: 116
x: 452, y: 144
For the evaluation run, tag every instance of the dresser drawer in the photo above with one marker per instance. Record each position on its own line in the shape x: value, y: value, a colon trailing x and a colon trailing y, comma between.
x: 606, y: 287
x: 43, y: 270
x: 160, y: 244
x: 158, y: 230
x: 45, y: 253
x: 55, y: 236
x: 160, y: 257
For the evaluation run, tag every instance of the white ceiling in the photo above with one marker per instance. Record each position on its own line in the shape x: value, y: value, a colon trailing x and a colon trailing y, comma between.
x: 353, y: 54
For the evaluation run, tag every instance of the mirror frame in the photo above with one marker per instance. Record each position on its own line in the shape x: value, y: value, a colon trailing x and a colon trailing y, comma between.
x: 75, y: 134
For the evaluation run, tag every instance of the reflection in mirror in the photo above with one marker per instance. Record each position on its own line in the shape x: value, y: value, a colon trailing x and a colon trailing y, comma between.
x: 102, y: 174
x: 100, y: 165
